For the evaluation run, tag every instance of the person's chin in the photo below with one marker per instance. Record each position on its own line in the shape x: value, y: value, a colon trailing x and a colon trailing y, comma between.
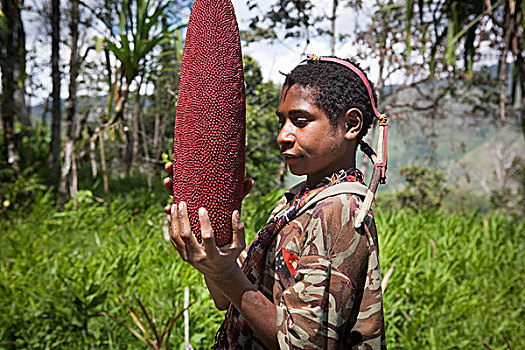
x: 297, y: 171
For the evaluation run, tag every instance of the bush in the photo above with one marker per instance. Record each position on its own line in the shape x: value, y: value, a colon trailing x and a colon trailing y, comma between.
x: 425, y: 188
x: 61, y: 268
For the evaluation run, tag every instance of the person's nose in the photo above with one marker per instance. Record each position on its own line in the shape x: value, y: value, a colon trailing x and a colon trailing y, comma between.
x: 286, y: 134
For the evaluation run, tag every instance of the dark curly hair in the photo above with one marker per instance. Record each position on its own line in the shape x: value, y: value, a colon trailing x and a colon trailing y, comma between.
x: 335, y: 89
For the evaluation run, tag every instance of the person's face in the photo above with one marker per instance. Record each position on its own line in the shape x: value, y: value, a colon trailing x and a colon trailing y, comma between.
x: 309, y: 144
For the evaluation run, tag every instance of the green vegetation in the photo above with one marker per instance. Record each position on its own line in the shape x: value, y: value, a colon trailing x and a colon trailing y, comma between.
x: 457, y: 279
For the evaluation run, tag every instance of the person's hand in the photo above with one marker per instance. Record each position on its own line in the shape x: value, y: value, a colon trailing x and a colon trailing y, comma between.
x: 168, y: 184
x: 210, y: 260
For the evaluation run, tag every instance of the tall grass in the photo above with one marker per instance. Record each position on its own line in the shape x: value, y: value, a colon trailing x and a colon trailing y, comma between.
x: 60, y: 268
x: 458, y: 281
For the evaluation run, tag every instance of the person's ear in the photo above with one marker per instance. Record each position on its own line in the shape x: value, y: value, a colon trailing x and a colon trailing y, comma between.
x: 353, y: 123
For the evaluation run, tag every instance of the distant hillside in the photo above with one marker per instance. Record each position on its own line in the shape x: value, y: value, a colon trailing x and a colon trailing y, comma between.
x: 461, y: 145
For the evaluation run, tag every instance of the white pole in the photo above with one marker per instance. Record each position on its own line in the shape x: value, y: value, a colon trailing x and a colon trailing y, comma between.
x: 187, y: 318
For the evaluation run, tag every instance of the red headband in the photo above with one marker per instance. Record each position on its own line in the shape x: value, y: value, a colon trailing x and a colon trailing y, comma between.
x: 359, y: 73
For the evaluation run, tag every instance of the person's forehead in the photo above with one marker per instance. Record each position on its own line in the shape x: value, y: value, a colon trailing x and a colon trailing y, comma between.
x: 298, y: 91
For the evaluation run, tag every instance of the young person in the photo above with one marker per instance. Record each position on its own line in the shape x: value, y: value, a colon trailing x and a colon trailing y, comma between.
x: 310, y: 280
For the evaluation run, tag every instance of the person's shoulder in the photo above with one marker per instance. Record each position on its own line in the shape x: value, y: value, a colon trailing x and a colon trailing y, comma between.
x: 331, y: 219
x: 345, y: 203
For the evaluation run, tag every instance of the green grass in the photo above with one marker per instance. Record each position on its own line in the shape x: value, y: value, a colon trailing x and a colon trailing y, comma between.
x: 457, y: 282
x: 59, y: 268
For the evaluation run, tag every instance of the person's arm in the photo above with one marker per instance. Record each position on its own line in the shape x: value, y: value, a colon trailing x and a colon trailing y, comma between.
x: 219, y: 266
x: 219, y: 300
x: 256, y: 309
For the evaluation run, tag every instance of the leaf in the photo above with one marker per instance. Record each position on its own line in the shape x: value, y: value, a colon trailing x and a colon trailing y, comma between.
x: 130, y: 329
x: 408, y: 8
x: 111, y: 134
x: 99, y: 43
x: 137, y: 321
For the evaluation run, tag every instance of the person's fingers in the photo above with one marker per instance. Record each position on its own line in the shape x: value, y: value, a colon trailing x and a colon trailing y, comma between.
x: 208, y: 238
x: 168, y: 185
x: 169, y: 168
x: 174, y: 233
x: 238, y: 240
x: 247, y: 186
x: 190, y: 242
x: 167, y: 209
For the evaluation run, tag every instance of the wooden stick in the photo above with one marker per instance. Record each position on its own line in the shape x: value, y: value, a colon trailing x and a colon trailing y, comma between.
x: 367, y: 203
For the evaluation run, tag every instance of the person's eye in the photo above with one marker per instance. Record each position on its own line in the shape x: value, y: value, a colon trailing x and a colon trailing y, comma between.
x: 301, y: 122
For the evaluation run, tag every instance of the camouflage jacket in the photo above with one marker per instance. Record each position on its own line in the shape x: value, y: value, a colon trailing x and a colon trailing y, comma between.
x: 324, y: 278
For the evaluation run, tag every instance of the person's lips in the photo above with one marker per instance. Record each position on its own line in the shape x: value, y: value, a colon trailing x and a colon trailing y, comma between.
x: 289, y: 156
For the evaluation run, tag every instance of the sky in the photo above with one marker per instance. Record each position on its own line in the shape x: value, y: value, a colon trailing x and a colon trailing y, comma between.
x: 273, y: 57
x: 284, y: 56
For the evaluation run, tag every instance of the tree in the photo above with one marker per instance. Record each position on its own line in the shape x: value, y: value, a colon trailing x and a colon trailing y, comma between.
x: 300, y: 19
x: 138, y: 21
x: 12, y: 57
x: 263, y: 161
x: 449, y: 27
x: 55, y: 94
x: 68, y: 178
x: 424, y: 190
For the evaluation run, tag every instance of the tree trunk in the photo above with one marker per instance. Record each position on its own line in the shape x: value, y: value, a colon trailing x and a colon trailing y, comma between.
x: 147, y: 162
x: 7, y: 58
x: 73, y: 188
x: 156, y: 125
x: 66, y: 188
x: 135, y: 134
x: 55, y: 75
x: 19, y: 71
x: 379, y: 93
x: 127, y: 148
x: 92, y: 158
x: 45, y: 109
x: 167, y: 117
x: 335, y: 3
x: 69, y: 149
x: 508, y: 29
x: 103, y: 163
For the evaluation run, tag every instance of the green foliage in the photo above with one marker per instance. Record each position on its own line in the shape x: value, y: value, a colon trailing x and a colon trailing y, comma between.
x: 298, y: 19
x: 256, y: 211
x: 60, y: 268
x: 507, y: 199
x: 457, y: 280
x: 425, y: 188
x: 157, y: 333
x: 130, y: 54
x: 263, y: 162
x: 448, y: 27
x: 17, y: 190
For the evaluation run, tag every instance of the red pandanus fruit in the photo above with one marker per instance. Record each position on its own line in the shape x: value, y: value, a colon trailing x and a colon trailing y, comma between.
x: 210, y: 124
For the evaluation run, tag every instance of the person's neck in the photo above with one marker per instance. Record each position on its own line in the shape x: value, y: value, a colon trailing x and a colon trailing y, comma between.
x: 314, y: 179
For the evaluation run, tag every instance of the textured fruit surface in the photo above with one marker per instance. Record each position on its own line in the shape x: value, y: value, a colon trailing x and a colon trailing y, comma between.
x: 210, y: 124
